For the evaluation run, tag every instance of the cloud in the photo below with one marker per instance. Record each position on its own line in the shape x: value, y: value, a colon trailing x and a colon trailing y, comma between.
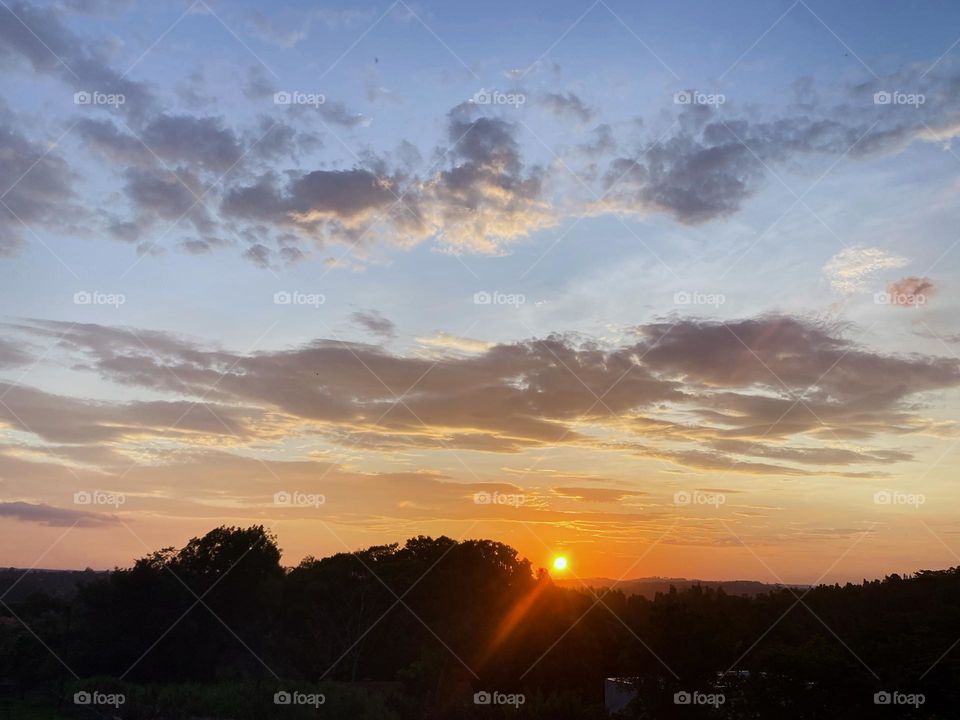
x: 483, y: 198
x: 337, y: 113
x: 104, y: 137
x: 51, y: 49
x: 199, y: 141
x: 703, y: 395
x: 12, y: 354
x: 54, y: 516
x: 445, y: 341
x: 487, y: 196
x: 258, y: 84
x: 709, y: 163
x: 62, y: 419
x: 600, y: 495
x: 568, y: 106
x: 166, y: 195
x: 325, y: 204
x: 849, y: 270
x: 37, y: 186
x: 374, y: 323
x: 482, y: 195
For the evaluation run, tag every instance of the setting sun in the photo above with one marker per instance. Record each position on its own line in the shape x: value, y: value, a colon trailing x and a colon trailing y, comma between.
x: 560, y: 563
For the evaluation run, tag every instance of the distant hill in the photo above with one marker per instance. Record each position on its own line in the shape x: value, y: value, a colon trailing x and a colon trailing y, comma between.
x: 56, y: 583
x: 650, y: 586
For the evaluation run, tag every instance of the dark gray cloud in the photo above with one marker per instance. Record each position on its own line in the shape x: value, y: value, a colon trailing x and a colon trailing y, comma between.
x: 339, y: 114
x: 486, y: 195
x: 323, y: 203
x: 54, y: 516
x: 568, y: 105
x: 374, y: 323
x: 483, y: 194
x: 50, y: 48
x: 199, y: 141
x: 744, y: 389
x: 104, y: 137
x: 715, y: 159
x: 202, y: 144
x: 36, y: 186
x: 12, y: 354
x: 258, y: 83
x: 166, y: 195
x: 61, y: 419
x: 685, y: 178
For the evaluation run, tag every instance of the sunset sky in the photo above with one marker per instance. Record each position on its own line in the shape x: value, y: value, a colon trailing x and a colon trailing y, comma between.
x: 670, y: 288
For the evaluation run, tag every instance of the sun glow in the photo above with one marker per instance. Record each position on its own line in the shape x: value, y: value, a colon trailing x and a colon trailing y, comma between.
x: 560, y: 563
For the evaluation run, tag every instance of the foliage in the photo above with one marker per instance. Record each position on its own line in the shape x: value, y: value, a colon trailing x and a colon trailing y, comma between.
x: 214, y: 629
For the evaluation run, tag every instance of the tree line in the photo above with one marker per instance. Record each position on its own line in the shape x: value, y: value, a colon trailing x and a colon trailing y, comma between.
x: 218, y: 627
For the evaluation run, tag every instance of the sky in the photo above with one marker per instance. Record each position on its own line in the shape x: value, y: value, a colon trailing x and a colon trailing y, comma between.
x: 667, y: 288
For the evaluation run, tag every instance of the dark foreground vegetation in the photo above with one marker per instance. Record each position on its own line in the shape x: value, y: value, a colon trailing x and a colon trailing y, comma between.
x: 219, y: 629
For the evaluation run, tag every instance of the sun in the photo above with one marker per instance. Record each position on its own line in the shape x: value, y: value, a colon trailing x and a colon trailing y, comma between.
x: 560, y: 563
